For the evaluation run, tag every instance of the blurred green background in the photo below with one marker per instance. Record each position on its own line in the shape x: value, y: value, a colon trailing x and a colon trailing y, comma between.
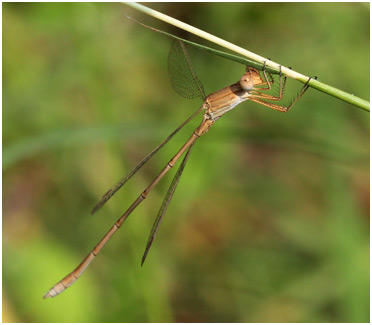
x: 270, y: 222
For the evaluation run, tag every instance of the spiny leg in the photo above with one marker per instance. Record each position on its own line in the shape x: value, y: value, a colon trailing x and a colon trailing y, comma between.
x: 258, y: 97
x: 281, y: 83
x: 268, y: 83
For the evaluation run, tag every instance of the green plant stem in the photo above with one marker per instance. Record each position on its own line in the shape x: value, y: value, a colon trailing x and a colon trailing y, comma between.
x: 349, y: 98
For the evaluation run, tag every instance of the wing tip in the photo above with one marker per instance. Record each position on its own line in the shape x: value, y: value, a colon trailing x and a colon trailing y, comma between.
x: 148, y: 246
x: 95, y: 209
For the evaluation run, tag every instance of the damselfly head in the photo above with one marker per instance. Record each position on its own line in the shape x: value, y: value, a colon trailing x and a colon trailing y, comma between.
x: 250, y: 79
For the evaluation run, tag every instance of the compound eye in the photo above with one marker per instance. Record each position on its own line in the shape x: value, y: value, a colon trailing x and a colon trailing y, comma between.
x: 246, y: 83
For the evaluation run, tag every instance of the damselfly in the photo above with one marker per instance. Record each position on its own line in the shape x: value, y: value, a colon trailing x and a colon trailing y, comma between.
x: 254, y: 85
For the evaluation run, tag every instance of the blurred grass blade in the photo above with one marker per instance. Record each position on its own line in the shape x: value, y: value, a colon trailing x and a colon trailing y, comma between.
x: 19, y: 151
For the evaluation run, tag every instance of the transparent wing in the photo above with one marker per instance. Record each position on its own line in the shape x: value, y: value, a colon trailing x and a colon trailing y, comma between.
x: 110, y: 193
x: 165, y: 204
x: 181, y: 72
